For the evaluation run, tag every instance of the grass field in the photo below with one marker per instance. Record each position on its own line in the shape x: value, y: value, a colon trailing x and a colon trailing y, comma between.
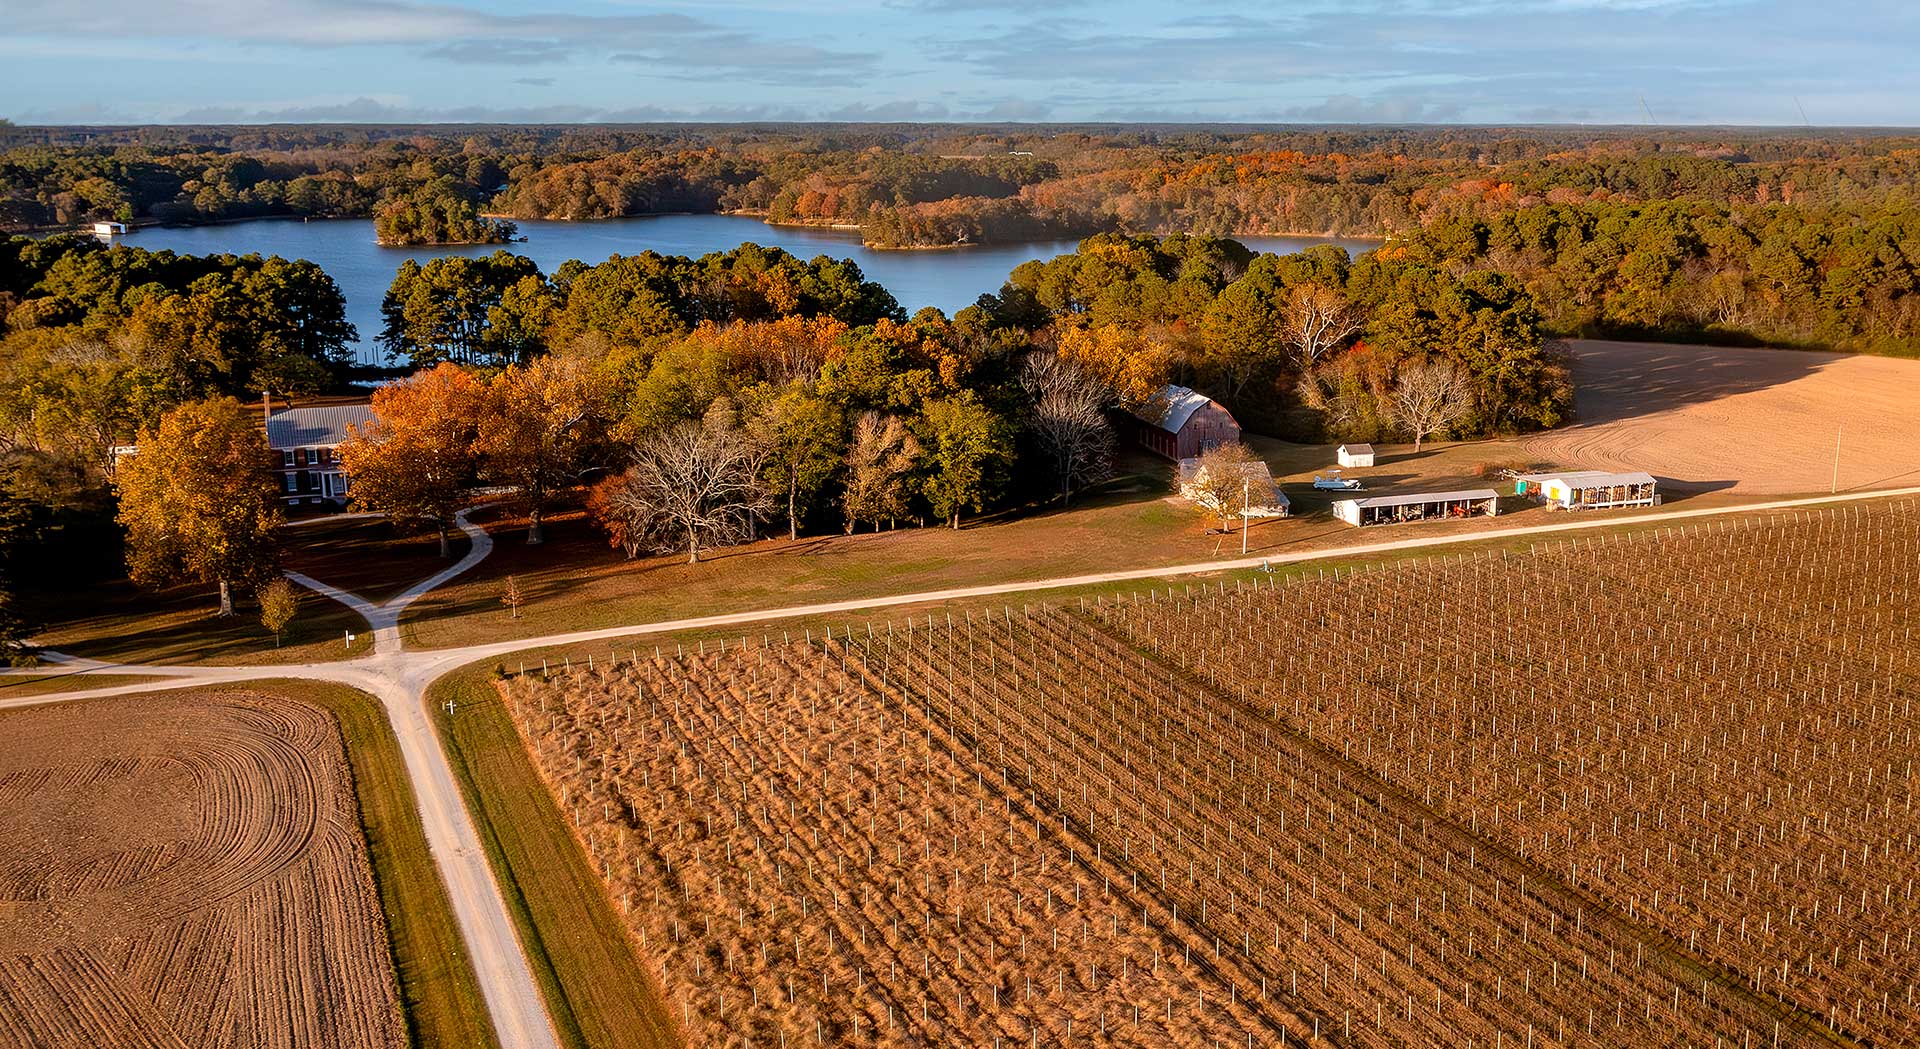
x: 120, y: 623
x: 16, y: 686
x: 597, y: 994
x: 368, y: 556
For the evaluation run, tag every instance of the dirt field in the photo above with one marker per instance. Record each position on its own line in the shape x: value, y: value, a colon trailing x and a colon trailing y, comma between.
x: 186, y: 870
x: 1753, y: 421
x: 1604, y: 794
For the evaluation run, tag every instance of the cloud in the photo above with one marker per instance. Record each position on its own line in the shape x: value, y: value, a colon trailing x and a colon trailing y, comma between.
x: 888, y: 112
x: 1015, y: 109
x: 1353, y: 109
x: 534, y: 81
x: 500, y: 52
x: 447, y: 32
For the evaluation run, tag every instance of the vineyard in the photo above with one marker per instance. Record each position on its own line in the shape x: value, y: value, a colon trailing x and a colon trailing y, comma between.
x: 181, y: 870
x: 1651, y: 790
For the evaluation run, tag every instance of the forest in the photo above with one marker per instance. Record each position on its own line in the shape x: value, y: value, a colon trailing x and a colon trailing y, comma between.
x: 801, y: 387
x: 1791, y: 236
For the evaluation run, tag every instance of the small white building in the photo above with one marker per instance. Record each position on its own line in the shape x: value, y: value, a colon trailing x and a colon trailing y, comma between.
x: 109, y: 229
x: 1355, y: 455
x: 1589, y: 489
x: 1418, y: 506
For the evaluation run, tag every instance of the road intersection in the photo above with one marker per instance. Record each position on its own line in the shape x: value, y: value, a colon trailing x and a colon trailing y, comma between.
x: 400, y: 678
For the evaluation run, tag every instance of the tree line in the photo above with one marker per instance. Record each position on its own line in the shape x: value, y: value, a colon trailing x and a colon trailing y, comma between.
x: 1731, y: 234
x: 697, y: 402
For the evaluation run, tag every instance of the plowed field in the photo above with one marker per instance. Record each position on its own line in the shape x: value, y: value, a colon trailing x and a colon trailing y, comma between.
x: 186, y: 871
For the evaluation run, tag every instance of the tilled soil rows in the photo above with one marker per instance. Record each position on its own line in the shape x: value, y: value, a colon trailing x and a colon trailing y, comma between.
x: 186, y: 870
x: 1133, y: 824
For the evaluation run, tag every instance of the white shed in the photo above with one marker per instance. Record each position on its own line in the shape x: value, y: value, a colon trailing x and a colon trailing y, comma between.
x: 1355, y: 455
x: 1418, y: 506
x: 1590, y: 489
x: 109, y: 229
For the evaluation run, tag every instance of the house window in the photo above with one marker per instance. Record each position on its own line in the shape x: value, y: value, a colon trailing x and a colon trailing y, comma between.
x: 286, y: 457
x: 293, y: 482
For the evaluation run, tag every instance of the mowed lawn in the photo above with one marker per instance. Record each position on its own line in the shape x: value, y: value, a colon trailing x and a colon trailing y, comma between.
x: 118, y: 622
x: 574, y: 581
x: 369, y: 556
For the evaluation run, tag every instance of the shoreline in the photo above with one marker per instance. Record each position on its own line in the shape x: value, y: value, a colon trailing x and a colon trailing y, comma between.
x: 836, y: 227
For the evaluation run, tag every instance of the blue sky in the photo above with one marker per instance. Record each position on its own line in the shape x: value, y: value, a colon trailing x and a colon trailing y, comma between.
x: 1692, y: 61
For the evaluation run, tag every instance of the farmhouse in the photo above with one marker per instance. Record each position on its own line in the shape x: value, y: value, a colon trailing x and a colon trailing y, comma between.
x: 1264, y: 497
x: 1589, y: 489
x: 1418, y: 506
x: 1355, y: 454
x: 304, y: 440
x: 1180, y: 424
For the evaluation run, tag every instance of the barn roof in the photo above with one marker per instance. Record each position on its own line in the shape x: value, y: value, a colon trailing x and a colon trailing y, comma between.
x: 315, y: 427
x: 1175, y: 404
x: 1412, y: 498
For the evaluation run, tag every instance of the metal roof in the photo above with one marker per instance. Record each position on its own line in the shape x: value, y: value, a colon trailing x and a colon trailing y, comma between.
x: 315, y: 427
x: 1177, y: 404
x: 1357, y: 449
x: 1412, y: 498
x: 1589, y: 478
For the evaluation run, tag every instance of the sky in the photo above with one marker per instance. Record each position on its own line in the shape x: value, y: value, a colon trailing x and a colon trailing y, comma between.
x: 1768, y: 62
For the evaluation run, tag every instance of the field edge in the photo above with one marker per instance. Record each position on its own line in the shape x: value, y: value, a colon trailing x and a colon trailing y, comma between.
x: 440, y: 996
x: 598, y: 991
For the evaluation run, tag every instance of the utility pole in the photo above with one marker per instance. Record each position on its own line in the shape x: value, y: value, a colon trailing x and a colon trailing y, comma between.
x: 1245, y: 488
x: 1836, y: 457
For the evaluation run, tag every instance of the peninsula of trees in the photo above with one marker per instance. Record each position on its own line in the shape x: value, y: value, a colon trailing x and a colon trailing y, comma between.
x: 1797, y: 237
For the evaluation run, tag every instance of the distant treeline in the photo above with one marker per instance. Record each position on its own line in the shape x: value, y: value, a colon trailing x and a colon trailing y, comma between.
x: 1790, y: 236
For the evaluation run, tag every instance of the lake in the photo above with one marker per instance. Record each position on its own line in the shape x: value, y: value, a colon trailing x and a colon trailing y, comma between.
x: 949, y: 279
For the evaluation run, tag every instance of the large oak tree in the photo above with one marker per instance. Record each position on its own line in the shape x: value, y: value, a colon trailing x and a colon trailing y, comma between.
x: 414, y: 460
x: 199, y: 499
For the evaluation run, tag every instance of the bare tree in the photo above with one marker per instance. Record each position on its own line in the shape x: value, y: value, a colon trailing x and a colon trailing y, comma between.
x: 1069, y: 420
x: 1429, y: 396
x: 1315, y: 320
x: 691, y: 486
x: 881, y: 456
x: 1219, y: 485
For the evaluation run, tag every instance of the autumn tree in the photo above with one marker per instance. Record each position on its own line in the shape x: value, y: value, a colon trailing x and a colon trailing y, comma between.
x: 1132, y: 366
x: 200, y: 499
x: 279, y: 603
x: 413, y: 460
x: 1428, y: 396
x: 1219, y: 483
x: 1068, y: 420
x: 17, y: 539
x: 968, y: 448
x: 804, y: 439
x: 540, y: 427
x: 691, y: 486
x: 879, y: 461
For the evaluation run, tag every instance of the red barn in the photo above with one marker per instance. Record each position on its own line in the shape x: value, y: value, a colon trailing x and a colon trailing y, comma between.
x: 1180, y: 424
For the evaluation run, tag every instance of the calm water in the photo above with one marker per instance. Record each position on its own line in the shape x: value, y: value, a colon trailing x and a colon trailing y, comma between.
x: 950, y: 280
